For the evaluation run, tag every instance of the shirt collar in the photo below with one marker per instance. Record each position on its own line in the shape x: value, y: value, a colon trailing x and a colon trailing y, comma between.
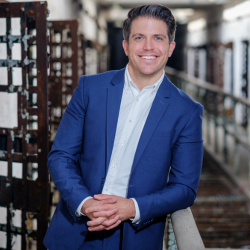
x: 129, y: 84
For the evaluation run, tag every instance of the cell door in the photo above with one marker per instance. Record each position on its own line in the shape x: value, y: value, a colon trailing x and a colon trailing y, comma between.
x: 24, y: 177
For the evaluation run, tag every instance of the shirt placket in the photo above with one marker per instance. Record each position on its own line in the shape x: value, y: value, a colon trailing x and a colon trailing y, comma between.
x: 128, y: 128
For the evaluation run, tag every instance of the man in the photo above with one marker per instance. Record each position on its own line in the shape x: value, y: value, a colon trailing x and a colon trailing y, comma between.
x: 129, y: 148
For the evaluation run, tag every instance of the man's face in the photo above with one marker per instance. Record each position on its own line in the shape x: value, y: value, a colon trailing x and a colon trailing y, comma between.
x: 148, y: 49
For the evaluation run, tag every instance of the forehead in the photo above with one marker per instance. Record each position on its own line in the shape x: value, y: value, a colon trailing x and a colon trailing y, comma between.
x: 148, y: 25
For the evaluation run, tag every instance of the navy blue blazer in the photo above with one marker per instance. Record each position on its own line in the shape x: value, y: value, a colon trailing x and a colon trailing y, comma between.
x: 79, y: 159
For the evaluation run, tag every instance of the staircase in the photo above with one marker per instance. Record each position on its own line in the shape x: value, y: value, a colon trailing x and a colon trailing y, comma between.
x: 221, y: 210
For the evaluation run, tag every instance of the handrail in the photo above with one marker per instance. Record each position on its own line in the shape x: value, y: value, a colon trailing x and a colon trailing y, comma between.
x: 186, y: 232
x: 220, y: 112
x: 216, y: 116
x: 206, y: 85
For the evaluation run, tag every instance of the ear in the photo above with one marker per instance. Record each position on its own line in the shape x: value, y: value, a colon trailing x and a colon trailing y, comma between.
x: 171, y: 48
x: 125, y: 46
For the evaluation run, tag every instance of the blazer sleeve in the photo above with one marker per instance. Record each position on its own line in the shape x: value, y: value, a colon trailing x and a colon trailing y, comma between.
x: 186, y: 164
x: 62, y: 160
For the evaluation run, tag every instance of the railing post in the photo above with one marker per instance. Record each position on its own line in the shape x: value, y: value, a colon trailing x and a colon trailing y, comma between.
x: 248, y: 137
x: 178, y: 82
x: 215, y: 124
x: 208, y: 118
x: 236, y: 144
x: 225, y: 151
x: 197, y: 94
x: 171, y: 238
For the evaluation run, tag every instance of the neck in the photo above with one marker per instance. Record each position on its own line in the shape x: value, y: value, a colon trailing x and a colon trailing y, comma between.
x: 142, y: 81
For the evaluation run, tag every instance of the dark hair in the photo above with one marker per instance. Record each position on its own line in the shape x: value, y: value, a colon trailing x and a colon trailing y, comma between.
x: 152, y: 11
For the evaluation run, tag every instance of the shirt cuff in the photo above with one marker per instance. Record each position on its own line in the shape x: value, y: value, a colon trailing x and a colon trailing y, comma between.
x: 137, y: 218
x: 78, y: 210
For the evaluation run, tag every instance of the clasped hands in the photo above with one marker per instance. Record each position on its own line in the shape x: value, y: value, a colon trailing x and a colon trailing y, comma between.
x: 107, y: 211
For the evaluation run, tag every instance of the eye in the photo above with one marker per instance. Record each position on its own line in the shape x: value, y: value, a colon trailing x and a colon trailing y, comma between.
x: 138, y: 38
x: 158, y: 38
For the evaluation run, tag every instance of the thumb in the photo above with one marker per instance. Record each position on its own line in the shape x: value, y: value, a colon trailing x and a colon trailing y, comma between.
x: 101, y: 197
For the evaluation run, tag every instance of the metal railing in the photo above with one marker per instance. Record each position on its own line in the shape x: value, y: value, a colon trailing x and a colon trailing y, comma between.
x: 225, y: 116
x: 220, y: 119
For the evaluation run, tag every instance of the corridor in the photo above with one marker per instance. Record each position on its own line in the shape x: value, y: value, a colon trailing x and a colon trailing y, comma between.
x: 45, y: 47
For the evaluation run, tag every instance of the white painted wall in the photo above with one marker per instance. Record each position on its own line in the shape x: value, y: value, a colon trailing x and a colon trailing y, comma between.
x: 102, y: 32
x: 237, y: 31
x: 67, y: 9
x: 59, y: 10
x: 230, y: 30
x: 87, y: 22
x: 197, y: 38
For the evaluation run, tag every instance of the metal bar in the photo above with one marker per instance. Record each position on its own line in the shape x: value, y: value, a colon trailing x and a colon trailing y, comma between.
x: 236, y: 142
x: 43, y: 123
x: 9, y: 140
x: 248, y: 138
x: 215, y: 123
x: 208, y: 119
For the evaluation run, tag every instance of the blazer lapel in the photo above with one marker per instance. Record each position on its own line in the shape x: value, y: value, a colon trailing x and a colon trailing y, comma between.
x: 159, y: 106
x: 114, y: 96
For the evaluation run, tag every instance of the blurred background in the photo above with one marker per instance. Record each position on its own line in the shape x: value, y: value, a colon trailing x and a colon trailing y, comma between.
x: 44, y: 48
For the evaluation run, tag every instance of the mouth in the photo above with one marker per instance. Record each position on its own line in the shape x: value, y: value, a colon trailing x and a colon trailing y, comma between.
x: 148, y: 57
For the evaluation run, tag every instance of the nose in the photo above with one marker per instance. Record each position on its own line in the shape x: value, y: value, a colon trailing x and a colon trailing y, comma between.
x: 148, y: 44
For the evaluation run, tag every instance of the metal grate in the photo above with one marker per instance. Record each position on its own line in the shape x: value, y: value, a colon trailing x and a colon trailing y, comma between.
x: 24, y: 186
x: 63, y: 77
x: 67, y: 53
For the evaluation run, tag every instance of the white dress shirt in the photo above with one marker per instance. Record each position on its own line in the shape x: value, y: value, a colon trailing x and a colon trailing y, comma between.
x: 134, y: 110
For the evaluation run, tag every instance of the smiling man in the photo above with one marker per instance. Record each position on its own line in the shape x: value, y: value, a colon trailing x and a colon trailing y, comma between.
x: 129, y: 148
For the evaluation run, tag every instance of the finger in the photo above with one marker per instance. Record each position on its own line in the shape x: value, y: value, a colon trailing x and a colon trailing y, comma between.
x: 96, y: 222
x: 114, y: 225
x: 98, y: 228
x: 109, y: 201
x: 102, y: 197
x: 105, y: 213
x: 94, y: 209
x: 98, y: 208
x: 110, y: 222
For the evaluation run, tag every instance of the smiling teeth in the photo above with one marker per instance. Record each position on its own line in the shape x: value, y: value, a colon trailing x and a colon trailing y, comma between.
x: 148, y: 57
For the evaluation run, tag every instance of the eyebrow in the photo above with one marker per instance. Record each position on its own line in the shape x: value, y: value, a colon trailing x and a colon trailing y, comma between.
x: 139, y: 34
x: 160, y: 35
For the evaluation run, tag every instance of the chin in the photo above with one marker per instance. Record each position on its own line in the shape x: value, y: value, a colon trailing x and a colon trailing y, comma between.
x: 148, y: 72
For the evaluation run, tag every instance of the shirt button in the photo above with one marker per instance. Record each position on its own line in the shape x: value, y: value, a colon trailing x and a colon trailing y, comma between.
x: 130, y: 120
x: 154, y: 86
x: 122, y: 143
x: 114, y: 166
x: 137, y: 100
x: 107, y: 189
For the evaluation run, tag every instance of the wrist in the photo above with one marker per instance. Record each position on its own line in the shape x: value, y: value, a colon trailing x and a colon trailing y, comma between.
x: 131, y: 208
x: 85, y: 205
